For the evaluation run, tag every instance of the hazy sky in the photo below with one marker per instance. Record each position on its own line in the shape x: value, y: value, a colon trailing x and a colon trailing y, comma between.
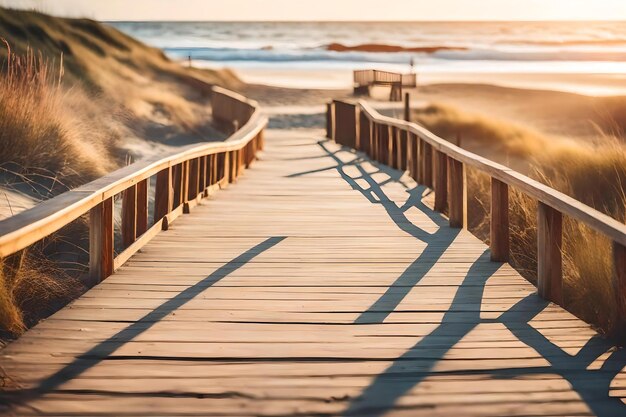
x: 331, y: 9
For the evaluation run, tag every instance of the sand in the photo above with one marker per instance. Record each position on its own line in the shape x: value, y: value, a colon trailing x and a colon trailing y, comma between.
x: 523, y: 99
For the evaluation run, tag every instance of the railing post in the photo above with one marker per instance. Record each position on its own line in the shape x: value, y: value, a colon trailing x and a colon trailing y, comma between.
x: 185, y: 186
x: 101, y: 235
x: 211, y: 170
x: 129, y: 215
x: 193, y: 186
x: 163, y: 195
x: 549, y: 262
x: 215, y: 173
x: 376, y: 143
x: 329, y: 120
x: 204, y: 174
x: 441, y: 181
x: 224, y: 161
x: 407, y: 107
x: 177, y: 183
x: 389, y: 138
x: 499, y: 223
x: 457, y: 184
x: 345, y: 124
x: 261, y: 140
x: 232, y: 166
x: 364, y: 132
x: 142, y: 207
x: 404, y: 140
x: 410, y: 154
x: 398, y: 148
x: 619, y: 287
x: 419, y: 160
x: 427, y: 164
x: 372, y: 134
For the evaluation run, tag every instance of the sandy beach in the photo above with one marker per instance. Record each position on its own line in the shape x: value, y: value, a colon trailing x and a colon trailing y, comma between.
x: 592, y: 84
x: 530, y: 100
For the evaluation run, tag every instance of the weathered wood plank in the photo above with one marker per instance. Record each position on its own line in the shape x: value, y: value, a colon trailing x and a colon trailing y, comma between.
x: 363, y: 302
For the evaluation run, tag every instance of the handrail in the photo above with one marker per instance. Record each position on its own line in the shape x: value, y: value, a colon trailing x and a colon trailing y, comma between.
x: 440, y: 165
x: 541, y: 192
x: 364, y: 79
x: 183, y: 177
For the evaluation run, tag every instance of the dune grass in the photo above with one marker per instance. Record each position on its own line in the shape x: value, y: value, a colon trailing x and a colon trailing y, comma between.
x: 594, y: 173
x: 48, y: 136
x: 79, y: 99
x: 43, y: 126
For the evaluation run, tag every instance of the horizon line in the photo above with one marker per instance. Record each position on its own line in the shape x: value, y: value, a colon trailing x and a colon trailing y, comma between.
x: 366, y: 21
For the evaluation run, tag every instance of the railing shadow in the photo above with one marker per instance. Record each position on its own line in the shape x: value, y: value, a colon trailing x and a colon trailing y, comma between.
x: 381, y: 395
x: 106, y: 348
x: 592, y: 385
x: 436, y: 243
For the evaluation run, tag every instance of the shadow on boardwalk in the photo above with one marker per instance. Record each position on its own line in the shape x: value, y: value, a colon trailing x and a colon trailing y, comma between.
x: 105, y: 349
x: 592, y: 385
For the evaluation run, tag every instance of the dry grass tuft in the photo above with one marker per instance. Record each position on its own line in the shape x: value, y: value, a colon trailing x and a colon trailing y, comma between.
x: 44, y: 126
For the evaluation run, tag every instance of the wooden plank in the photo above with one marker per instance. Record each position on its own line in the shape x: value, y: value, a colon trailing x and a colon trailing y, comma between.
x: 549, y: 262
x: 499, y: 221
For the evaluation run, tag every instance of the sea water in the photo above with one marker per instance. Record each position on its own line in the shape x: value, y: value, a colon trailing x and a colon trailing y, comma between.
x: 280, y: 52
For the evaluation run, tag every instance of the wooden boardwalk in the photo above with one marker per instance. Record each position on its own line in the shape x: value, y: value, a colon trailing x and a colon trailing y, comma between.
x: 319, y: 284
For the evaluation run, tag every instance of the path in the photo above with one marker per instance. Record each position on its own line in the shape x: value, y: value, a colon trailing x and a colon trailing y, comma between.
x: 320, y: 284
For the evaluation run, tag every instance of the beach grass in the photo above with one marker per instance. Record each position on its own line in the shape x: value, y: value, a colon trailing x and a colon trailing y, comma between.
x: 73, y: 94
x: 593, y: 172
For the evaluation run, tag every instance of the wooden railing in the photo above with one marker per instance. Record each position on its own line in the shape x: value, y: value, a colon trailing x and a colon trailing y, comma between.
x: 180, y: 181
x: 369, y: 77
x: 364, y: 79
x: 440, y: 165
x: 409, y: 80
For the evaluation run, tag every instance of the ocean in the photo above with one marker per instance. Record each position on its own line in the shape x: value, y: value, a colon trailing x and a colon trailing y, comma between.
x: 433, y: 47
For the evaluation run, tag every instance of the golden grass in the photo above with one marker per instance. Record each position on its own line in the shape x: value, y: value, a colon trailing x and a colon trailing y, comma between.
x: 73, y: 94
x: 592, y: 173
x: 42, y: 126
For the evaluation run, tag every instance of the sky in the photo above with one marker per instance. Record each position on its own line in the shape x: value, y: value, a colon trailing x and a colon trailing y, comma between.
x: 298, y: 10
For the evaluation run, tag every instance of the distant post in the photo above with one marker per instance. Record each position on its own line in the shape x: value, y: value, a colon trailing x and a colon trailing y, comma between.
x: 407, y: 107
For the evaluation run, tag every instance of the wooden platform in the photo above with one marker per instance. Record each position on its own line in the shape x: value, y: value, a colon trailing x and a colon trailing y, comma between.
x: 319, y: 284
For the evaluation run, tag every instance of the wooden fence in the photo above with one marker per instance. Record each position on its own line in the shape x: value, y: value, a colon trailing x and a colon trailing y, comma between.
x: 181, y: 180
x: 440, y: 165
x: 364, y: 79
